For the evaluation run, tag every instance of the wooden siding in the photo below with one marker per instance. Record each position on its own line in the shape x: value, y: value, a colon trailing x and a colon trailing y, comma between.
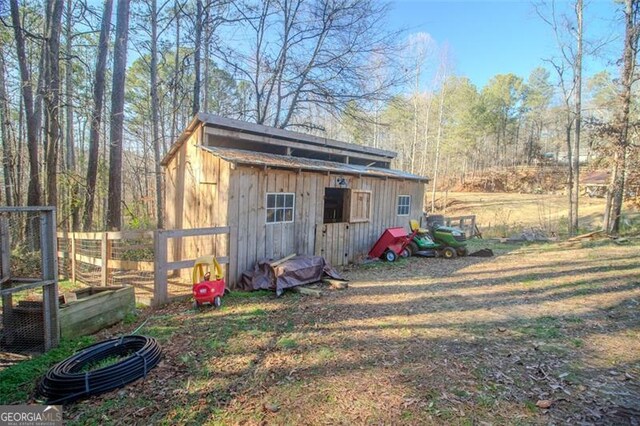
x: 196, y: 196
x: 235, y: 196
x: 252, y: 239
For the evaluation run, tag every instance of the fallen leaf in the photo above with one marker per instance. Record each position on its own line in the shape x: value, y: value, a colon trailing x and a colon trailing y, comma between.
x: 544, y: 403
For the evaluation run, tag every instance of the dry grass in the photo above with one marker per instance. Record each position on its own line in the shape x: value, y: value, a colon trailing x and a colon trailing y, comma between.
x: 422, y: 341
x: 500, y: 214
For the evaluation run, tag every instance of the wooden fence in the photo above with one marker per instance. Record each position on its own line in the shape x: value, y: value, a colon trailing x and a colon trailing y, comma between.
x: 466, y: 223
x: 137, y: 258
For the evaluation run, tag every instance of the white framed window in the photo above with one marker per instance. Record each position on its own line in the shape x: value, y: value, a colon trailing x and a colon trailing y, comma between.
x: 404, y: 205
x: 280, y: 207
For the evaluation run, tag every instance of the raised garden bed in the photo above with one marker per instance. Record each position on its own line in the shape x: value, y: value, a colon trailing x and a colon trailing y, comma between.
x: 95, y: 309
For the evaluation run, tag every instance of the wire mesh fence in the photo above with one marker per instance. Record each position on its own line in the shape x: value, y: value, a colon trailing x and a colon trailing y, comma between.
x: 130, y: 258
x: 28, y: 319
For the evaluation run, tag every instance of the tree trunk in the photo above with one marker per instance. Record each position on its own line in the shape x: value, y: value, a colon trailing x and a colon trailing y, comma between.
x: 414, y: 142
x: 205, y: 78
x: 578, y: 119
x: 96, y: 115
x: 70, y: 157
x: 4, y: 132
x: 70, y: 154
x: 155, y: 119
x: 114, y: 202
x: 196, y: 59
x: 438, y: 141
x: 425, y: 148
x: 34, y: 191
x: 52, y: 96
x: 621, y: 143
x: 568, y: 127
x: 176, y: 79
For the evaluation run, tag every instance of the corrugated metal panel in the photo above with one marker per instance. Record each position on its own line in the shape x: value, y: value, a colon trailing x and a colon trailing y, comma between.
x: 281, y: 161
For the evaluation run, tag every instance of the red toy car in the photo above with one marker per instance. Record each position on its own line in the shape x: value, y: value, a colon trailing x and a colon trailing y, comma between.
x: 205, y: 290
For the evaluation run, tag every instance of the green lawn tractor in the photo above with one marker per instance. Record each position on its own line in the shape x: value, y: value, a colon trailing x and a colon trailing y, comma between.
x: 437, y: 240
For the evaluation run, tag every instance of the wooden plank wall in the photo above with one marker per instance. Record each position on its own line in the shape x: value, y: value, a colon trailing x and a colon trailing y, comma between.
x: 251, y: 239
x: 204, y: 191
x: 196, y: 196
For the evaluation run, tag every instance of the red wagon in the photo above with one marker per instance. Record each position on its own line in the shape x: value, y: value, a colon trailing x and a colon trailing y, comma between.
x: 391, y: 244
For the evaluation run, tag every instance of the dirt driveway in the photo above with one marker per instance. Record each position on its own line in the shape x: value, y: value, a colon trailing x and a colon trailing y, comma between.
x: 468, y: 341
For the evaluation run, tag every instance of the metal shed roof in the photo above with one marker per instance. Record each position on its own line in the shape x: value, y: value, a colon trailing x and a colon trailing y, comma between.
x: 263, y: 159
x: 311, y: 141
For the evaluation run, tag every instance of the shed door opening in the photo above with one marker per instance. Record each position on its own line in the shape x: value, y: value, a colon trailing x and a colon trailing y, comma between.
x: 336, y: 205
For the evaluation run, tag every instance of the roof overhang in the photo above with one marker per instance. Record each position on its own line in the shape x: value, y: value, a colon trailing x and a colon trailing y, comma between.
x: 275, y: 161
x: 311, y: 141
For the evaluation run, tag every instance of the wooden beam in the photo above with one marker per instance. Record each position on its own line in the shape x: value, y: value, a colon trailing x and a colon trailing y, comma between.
x: 199, y: 232
x: 160, y: 290
x: 268, y: 140
x: 307, y: 291
x: 281, y: 261
x: 36, y: 209
x: 222, y: 123
x: 184, y: 264
x: 73, y: 257
x: 26, y: 286
x: 5, y: 248
x: 105, y: 254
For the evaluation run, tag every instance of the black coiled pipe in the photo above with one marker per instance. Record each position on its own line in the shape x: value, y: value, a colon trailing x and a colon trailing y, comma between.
x: 66, y: 382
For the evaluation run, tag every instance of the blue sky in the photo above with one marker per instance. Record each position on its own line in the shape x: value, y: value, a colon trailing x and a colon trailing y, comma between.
x: 497, y: 37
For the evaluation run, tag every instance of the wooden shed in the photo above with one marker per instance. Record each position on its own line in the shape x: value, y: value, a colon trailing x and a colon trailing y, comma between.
x: 282, y: 192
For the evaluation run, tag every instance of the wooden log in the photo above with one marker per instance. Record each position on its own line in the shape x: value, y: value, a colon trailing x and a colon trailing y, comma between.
x: 589, y: 235
x: 307, y: 291
x: 284, y: 259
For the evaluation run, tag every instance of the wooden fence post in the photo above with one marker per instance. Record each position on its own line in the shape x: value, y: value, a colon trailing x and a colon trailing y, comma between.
x: 105, y: 254
x: 5, y: 249
x: 160, y: 291
x: 49, y: 252
x: 73, y: 256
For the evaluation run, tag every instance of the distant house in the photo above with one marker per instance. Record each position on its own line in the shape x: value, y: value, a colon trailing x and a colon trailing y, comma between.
x: 283, y: 192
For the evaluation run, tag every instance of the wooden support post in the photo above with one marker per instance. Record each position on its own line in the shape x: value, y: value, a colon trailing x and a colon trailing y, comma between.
x: 5, y: 248
x: 160, y: 291
x: 105, y: 254
x: 73, y: 257
x: 49, y: 252
x: 5, y: 272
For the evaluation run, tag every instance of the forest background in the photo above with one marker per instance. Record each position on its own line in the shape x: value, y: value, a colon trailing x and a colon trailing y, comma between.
x: 92, y: 94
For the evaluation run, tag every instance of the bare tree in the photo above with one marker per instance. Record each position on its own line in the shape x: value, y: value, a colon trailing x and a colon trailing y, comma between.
x: 53, y: 27
x: 615, y: 193
x: 305, y: 53
x: 420, y: 43
x: 96, y: 115
x: 70, y: 156
x: 570, y: 61
x: 114, y: 203
x: 195, y: 108
x: 436, y: 163
x: 577, y: 96
x: 7, y: 154
x: 155, y: 115
x: 34, y: 191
